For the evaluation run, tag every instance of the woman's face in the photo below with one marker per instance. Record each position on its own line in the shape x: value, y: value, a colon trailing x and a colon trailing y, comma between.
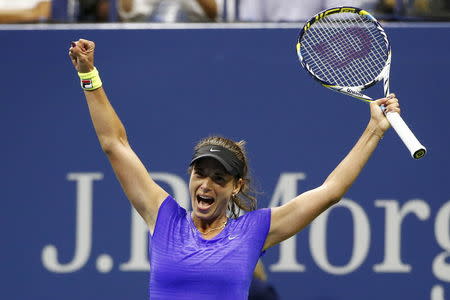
x: 211, y: 187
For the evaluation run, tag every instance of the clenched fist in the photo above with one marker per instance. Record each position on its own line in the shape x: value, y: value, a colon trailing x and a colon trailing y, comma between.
x: 81, y: 54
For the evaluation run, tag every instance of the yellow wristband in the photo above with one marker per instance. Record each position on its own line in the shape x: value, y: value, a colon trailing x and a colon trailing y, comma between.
x: 90, y: 81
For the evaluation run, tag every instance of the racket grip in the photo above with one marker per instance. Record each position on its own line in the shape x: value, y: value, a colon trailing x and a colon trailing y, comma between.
x: 409, y: 139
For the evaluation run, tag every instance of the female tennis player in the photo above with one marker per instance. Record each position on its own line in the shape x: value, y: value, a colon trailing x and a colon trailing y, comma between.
x: 210, y: 253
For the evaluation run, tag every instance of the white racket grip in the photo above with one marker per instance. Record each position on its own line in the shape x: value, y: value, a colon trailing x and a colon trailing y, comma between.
x: 414, y: 146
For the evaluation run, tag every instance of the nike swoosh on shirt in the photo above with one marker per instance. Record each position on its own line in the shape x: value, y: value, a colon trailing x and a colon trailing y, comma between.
x: 232, y: 237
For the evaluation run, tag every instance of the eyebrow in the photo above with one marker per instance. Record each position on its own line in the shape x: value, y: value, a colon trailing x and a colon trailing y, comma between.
x: 216, y: 173
x: 221, y: 173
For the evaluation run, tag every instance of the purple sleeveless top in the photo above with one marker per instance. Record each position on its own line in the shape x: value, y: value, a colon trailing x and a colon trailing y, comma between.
x: 183, y: 265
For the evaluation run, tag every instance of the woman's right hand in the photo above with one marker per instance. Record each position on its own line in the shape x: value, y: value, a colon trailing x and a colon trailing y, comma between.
x: 81, y: 54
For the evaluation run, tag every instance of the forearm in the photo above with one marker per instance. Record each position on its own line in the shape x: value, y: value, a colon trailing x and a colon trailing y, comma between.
x: 107, y: 124
x: 343, y: 176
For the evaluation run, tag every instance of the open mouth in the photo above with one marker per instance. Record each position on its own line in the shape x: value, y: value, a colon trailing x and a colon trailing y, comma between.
x: 204, y: 202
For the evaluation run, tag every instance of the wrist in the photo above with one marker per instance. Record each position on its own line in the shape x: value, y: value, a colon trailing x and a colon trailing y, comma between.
x: 375, y: 130
x: 91, y: 80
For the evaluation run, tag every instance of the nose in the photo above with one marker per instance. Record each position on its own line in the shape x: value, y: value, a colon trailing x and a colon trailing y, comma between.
x: 206, y: 184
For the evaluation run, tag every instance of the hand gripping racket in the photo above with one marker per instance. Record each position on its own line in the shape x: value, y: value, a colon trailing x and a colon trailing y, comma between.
x: 347, y: 50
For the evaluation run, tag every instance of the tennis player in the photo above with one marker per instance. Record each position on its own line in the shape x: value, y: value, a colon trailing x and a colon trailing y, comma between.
x: 210, y: 252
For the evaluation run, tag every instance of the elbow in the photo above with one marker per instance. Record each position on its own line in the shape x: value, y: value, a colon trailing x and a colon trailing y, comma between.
x: 112, y: 136
x: 110, y: 145
x: 334, y: 192
x: 334, y: 201
x: 107, y: 147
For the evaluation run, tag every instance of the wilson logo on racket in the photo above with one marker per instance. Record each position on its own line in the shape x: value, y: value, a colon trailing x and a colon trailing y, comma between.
x: 361, y: 49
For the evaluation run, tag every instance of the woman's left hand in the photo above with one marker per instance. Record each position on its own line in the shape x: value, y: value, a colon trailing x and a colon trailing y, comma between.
x: 377, y: 117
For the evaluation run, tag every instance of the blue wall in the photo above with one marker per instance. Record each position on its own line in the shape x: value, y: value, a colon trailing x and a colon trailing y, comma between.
x: 173, y: 87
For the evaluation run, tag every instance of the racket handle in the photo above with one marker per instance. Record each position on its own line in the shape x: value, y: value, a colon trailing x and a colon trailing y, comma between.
x: 414, y: 146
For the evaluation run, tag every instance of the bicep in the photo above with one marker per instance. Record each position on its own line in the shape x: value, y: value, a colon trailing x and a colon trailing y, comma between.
x: 143, y: 192
x: 290, y: 218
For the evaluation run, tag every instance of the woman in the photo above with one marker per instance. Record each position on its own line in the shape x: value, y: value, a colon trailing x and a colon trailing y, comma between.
x: 209, y: 253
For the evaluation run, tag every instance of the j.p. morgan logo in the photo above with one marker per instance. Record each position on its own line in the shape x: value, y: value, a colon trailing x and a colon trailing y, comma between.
x: 395, y: 257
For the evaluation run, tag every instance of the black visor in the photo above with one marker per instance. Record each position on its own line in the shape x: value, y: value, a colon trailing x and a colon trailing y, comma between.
x: 227, y: 158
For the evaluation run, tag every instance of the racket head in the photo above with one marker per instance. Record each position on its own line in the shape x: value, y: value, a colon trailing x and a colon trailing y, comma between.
x: 345, y: 49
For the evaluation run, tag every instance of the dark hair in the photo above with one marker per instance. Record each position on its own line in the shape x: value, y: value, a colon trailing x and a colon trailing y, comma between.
x: 245, y: 199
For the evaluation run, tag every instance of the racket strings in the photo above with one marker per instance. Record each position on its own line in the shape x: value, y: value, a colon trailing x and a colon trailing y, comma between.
x: 359, y: 69
x: 320, y: 65
x: 345, y: 44
x: 345, y: 49
x: 338, y: 48
x: 320, y: 59
x: 372, y: 60
x: 366, y: 63
x: 378, y: 58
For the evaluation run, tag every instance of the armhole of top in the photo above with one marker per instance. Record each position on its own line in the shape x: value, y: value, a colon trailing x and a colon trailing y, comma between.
x: 161, y: 207
x: 262, y: 252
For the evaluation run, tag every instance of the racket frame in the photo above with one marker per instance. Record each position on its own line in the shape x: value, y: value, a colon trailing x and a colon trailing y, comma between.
x: 416, y: 149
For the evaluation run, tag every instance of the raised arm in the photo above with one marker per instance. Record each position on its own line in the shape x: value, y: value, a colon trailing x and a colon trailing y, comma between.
x: 144, y: 194
x: 293, y: 216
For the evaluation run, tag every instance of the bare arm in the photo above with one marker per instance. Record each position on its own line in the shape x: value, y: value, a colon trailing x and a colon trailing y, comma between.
x: 144, y: 194
x: 293, y: 216
x: 41, y: 12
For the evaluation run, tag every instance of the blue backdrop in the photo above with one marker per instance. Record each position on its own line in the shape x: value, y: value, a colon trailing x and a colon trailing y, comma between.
x: 68, y: 232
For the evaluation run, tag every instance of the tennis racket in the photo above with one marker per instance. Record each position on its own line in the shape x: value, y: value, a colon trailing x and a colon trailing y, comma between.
x: 347, y: 50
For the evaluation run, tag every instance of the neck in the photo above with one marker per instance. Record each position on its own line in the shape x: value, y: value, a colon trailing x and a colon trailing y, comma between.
x: 205, y: 227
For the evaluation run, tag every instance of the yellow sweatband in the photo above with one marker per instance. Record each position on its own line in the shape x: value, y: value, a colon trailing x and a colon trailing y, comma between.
x: 90, y: 81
